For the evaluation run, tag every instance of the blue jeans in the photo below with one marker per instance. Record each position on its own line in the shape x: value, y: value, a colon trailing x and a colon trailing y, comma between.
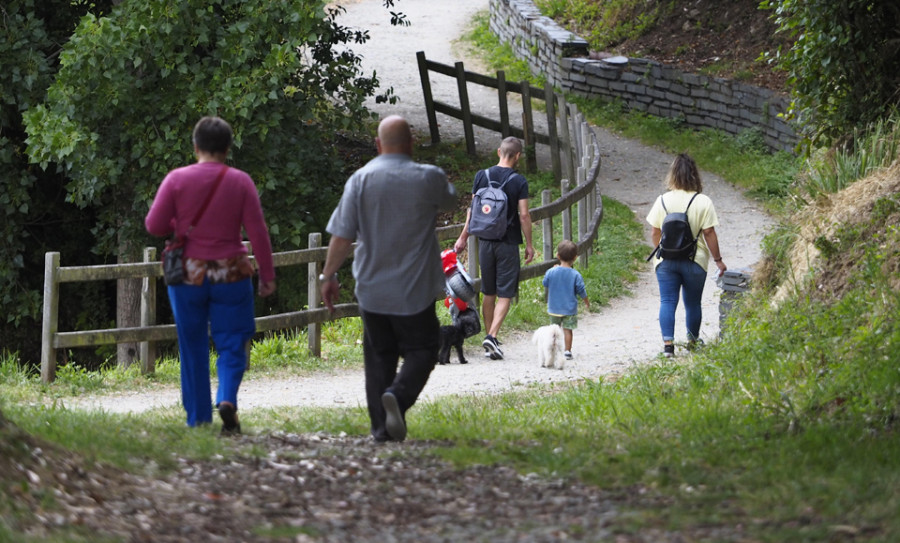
x: 225, y: 312
x: 689, y: 278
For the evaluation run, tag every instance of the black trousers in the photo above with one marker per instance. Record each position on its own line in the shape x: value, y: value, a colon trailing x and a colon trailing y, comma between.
x: 386, y: 338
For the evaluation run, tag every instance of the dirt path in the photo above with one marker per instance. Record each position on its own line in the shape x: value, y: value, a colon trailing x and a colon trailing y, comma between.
x: 609, y: 341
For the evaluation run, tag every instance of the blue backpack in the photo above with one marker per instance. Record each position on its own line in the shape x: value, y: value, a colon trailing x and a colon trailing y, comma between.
x: 489, y: 205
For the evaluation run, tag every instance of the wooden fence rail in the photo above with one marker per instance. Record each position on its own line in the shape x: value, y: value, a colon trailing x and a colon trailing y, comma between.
x: 503, y: 126
x: 576, y: 144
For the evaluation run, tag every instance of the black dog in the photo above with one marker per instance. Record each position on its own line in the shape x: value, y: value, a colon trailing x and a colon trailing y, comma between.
x: 465, y: 325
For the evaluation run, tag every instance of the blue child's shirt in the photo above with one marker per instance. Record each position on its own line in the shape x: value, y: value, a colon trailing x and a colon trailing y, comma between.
x: 564, y: 287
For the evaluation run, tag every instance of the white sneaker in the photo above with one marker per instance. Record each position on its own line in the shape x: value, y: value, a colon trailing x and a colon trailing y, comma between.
x: 568, y: 355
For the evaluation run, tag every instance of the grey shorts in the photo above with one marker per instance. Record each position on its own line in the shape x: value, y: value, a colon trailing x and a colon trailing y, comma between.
x: 499, y: 263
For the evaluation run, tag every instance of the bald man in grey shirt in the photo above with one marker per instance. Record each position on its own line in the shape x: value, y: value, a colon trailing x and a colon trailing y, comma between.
x: 389, y: 207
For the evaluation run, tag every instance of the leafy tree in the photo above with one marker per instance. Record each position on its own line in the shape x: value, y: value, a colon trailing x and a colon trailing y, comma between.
x: 844, y: 67
x: 131, y: 85
x: 36, y: 217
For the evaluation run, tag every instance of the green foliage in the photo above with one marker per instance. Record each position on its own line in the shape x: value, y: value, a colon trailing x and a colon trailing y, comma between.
x: 131, y: 85
x: 35, y: 216
x: 844, y: 67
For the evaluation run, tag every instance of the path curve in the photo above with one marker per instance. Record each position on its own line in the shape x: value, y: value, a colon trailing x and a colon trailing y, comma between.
x: 606, y: 342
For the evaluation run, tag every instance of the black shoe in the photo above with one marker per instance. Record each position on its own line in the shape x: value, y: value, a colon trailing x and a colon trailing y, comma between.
x: 668, y: 350
x: 393, y: 423
x: 230, y: 424
x: 492, y: 347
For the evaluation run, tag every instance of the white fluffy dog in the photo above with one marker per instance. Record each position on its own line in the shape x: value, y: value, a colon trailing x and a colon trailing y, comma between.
x: 549, y: 341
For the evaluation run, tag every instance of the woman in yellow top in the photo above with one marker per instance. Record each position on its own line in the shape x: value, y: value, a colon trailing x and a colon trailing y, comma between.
x: 686, y: 276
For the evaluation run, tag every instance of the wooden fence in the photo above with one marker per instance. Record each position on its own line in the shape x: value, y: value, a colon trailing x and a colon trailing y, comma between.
x: 576, y: 141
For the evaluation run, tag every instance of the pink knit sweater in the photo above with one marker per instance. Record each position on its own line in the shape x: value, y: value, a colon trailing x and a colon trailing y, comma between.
x: 217, y: 235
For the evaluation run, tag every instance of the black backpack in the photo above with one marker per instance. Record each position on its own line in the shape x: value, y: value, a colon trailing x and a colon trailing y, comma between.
x: 677, y: 241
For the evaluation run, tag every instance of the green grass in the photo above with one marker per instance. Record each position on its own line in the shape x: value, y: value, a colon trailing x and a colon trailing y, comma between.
x: 480, y: 38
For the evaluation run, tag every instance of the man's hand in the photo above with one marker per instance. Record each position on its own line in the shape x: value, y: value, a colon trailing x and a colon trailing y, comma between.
x: 330, y: 290
x: 461, y: 243
x: 529, y: 254
x: 266, y: 288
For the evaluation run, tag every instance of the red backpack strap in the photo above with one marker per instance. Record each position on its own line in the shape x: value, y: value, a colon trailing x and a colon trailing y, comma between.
x: 209, y: 197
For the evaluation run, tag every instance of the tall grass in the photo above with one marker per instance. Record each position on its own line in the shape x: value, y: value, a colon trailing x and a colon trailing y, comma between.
x: 869, y: 149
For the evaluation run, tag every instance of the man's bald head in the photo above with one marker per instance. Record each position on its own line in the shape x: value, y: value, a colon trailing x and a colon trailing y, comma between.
x: 394, y: 136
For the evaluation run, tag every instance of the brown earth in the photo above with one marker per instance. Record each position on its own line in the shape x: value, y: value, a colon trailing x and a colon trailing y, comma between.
x: 715, y: 37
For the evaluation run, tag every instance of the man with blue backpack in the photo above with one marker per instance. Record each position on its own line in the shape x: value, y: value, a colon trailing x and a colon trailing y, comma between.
x: 500, y: 219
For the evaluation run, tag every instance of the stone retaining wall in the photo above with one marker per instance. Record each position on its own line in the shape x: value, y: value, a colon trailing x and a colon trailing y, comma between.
x: 642, y: 84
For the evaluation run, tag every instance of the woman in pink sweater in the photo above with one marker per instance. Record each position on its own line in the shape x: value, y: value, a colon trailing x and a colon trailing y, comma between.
x: 216, y: 298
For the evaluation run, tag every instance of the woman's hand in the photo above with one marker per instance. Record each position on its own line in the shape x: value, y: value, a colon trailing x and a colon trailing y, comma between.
x: 266, y: 288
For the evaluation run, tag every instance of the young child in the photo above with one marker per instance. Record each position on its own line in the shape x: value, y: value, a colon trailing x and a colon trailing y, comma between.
x: 564, y: 286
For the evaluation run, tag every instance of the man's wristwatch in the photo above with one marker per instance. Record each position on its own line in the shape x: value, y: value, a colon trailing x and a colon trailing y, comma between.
x: 324, y: 279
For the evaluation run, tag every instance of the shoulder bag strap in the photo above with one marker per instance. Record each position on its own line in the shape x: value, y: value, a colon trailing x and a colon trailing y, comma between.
x: 209, y: 197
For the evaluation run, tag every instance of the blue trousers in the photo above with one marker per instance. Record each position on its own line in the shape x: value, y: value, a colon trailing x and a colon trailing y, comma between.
x: 687, y: 278
x: 385, y: 339
x: 223, y: 311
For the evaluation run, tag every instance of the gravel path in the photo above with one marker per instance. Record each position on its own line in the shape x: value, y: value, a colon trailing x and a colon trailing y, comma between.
x: 606, y: 342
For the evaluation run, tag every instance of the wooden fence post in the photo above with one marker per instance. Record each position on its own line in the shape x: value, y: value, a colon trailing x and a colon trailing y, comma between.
x: 504, y: 104
x: 429, y: 99
x: 313, y: 296
x: 528, y: 129
x: 148, y: 315
x: 550, y: 101
x: 582, y: 218
x: 578, y: 141
x: 50, y: 323
x: 466, y: 111
x: 566, y: 136
x: 566, y: 213
x: 547, y: 227
x: 472, y: 266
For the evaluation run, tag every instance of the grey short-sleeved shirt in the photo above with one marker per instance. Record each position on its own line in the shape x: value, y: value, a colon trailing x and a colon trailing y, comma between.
x: 389, y: 207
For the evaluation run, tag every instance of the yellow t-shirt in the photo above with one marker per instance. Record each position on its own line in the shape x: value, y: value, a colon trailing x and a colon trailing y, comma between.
x: 701, y: 215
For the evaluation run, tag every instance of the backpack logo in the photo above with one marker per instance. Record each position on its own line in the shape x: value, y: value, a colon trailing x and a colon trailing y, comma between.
x: 488, y: 220
x: 677, y: 241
